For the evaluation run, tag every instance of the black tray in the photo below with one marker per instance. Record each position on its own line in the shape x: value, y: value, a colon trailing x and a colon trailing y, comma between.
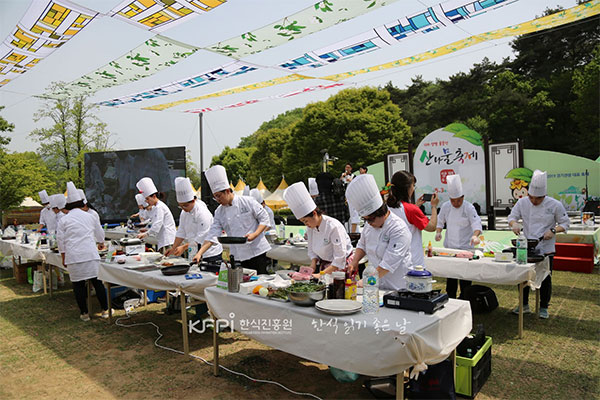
x: 175, y: 270
x: 232, y: 239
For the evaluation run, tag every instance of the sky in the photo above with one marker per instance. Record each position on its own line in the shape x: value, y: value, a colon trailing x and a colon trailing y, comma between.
x: 105, y: 39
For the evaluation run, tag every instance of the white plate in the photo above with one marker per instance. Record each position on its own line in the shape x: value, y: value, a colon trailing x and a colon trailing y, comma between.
x: 338, y: 306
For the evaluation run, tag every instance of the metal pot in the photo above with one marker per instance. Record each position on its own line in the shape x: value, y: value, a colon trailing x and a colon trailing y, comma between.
x: 419, y: 280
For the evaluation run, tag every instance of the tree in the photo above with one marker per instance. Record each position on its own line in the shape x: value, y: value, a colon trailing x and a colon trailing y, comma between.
x: 282, y: 121
x: 586, y: 106
x: 192, y: 171
x: 356, y: 125
x: 75, y: 130
x: 267, y: 161
x: 236, y: 161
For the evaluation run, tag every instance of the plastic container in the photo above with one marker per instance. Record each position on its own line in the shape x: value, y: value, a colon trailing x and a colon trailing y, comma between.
x: 472, y: 373
x: 522, y: 249
x: 339, y: 284
x: 370, y: 290
x: 350, y: 292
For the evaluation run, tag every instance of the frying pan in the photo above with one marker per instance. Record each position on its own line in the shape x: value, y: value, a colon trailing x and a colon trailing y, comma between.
x: 232, y: 239
x: 531, y: 243
x: 175, y: 270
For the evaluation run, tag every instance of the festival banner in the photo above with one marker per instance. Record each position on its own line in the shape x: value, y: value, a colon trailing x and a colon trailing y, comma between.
x: 452, y: 150
x: 235, y: 68
x: 45, y: 27
x: 154, y: 55
x: 160, y: 15
x: 429, y: 20
x: 321, y: 15
x: 254, y: 101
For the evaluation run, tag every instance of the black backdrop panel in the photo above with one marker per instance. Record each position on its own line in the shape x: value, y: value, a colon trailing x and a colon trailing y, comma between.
x: 110, y: 178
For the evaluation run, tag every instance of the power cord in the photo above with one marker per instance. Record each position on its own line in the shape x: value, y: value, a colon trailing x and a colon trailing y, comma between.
x: 130, y: 305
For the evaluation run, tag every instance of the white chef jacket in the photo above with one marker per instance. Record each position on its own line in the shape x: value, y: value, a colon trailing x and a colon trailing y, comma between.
x: 271, y: 217
x: 194, y: 225
x: 539, y: 219
x: 48, y: 218
x: 417, y: 254
x: 460, y: 224
x: 388, y: 247
x: 94, y: 213
x: 143, y: 214
x: 329, y: 242
x: 77, y: 234
x: 163, y: 225
x: 242, y: 217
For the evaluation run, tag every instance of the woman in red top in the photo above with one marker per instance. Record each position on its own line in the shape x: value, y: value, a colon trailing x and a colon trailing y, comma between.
x: 403, y: 187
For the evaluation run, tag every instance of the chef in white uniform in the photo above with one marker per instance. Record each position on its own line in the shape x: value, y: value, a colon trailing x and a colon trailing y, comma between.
x: 463, y: 227
x: 543, y: 217
x: 329, y: 246
x: 78, y: 232
x: 86, y: 206
x: 47, y: 216
x: 255, y: 193
x: 195, y: 221
x: 385, y: 238
x: 313, y: 188
x: 163, y: 224
x: 237, y: 216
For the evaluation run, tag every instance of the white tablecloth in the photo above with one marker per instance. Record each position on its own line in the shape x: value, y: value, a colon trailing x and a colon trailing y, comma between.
x: 486, y: 270
x: 26, y: 251
x: 293, y: 254
x: 6, y: 247
x: 154, y: 280
x: 54, y: 259
x: 380, y: 344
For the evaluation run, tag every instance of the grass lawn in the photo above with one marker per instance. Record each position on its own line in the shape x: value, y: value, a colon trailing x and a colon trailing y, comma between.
x: 47, y: 352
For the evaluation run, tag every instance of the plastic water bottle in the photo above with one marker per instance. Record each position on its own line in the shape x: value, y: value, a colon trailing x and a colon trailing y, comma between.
x: 521, y: 249
x: 281, y: 230
x: 370, y: 290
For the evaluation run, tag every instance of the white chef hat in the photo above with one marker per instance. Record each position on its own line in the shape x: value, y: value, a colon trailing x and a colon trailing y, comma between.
x: 217, y: 178
x: 146, y: 186
x: 58, y: 201
x: 183, y: 190
x: 82, y: 193
x: 538, y: 184
x: 140, y: 199
x: 255, y: 193
x: 73, y: 194
x: 455, y: 189
x: 299, y: 200
x: 44, y: 197
x: 363, y: 195
x: 313, y: 189
x: 246, y: 190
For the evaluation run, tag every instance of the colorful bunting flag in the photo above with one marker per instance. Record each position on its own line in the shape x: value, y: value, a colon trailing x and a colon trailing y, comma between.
x: 155, y: 54
x: 159, y: 15
x: 572, y: 14
x: 317, y: 17
x: 254, y: 101
x: 46, y: 26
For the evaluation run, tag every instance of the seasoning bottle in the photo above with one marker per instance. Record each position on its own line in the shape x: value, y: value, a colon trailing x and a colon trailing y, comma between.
x: 350, y: 293
x: 429, y: 250
x: 339, y: 285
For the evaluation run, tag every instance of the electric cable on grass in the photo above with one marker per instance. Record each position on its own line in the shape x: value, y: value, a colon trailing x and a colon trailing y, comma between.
x: 131, y: 311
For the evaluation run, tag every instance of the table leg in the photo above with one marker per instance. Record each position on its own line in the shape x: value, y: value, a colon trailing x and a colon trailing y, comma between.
x: 110, y: 316
x: 537, y: 302
x: 145, y: 297
x: 453, y: 358
x: 400, y: 386
x: 215, y: 348
x: 521, y: 286
x: 44, y: 276
x: 51, y: 270
x: 184, y: 323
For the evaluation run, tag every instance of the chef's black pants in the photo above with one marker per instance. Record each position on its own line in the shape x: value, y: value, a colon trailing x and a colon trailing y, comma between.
x: 81, y: 294
x: 452, y: 287
x: 545, y: 289
x: 259, y: 263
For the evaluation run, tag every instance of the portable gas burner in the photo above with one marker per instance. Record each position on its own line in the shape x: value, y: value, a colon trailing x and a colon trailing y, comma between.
x: 427, y: 302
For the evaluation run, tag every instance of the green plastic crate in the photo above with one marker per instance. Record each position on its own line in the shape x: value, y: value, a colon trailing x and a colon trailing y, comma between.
x: 471, y: 373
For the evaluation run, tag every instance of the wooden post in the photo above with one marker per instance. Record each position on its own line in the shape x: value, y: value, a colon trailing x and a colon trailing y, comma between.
x: 110, y: 316
x: 51, y: 270
x: 453, y: 358
x: 215, y: 348
x: 184, y: 323
x: 521, y: 286
x: 145, y: 297
x: 44, y: 277
x: 89, y: 297
x: 400, y: 386
x: 537, y: 302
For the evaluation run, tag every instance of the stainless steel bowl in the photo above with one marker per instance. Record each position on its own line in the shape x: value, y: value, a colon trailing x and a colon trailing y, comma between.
x: 307, y: 299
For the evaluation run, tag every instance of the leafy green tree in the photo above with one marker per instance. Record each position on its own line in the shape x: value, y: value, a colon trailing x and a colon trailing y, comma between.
x: 282, y: 121
x: 586, y: 106
x: 236, y: 161
x: 267, y: 161
x: 356, y: 125
x: 192, y: 171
